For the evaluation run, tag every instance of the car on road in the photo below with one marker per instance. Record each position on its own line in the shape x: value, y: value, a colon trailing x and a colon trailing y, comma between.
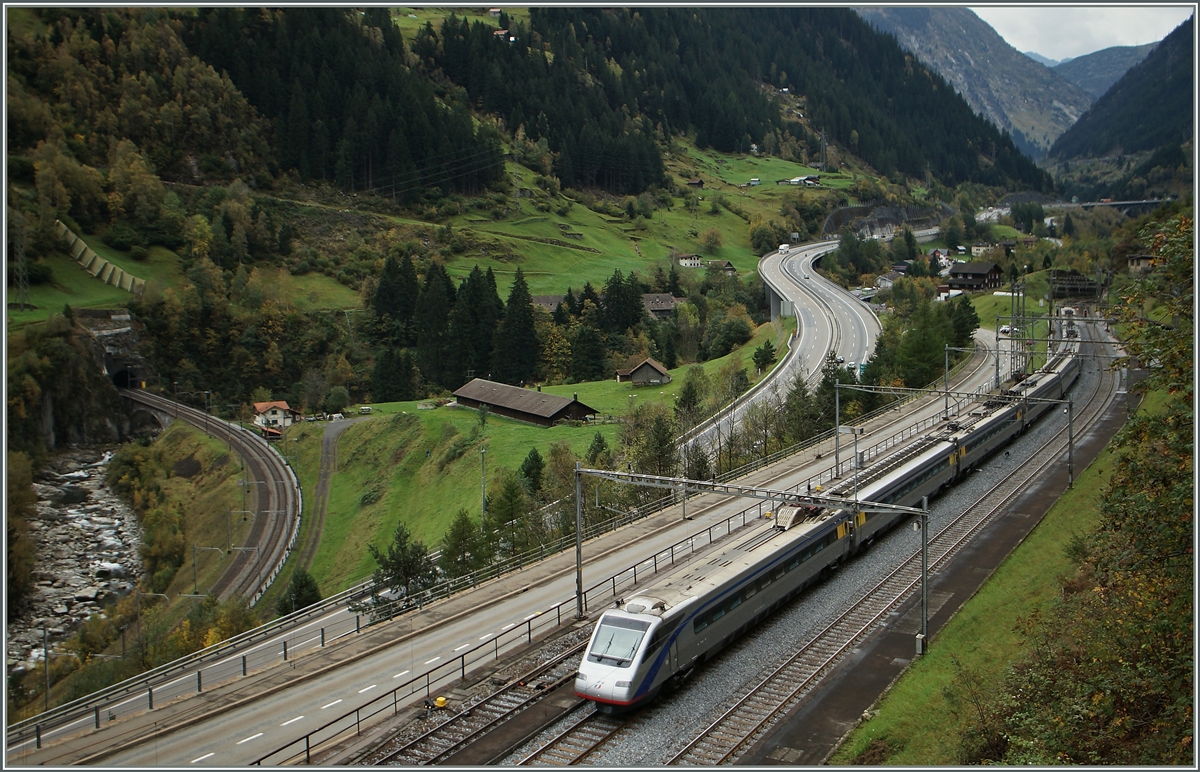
x: 806, y: 276
x: 841, y: 359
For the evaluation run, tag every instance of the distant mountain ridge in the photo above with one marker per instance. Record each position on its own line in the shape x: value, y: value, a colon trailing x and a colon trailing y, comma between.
x: 1045, y: 60
x: 1149, y: 107
x: 1031, y: 101
x: 1096, y: 72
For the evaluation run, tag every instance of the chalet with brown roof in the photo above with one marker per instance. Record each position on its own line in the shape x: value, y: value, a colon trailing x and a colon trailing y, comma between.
x: 522, y: 404
x: 646, y: 373
x: 973, y: 277
x: 724, y: 266
x: 695, y: 182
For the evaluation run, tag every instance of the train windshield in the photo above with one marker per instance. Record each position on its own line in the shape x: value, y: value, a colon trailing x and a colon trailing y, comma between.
x: 617, y: 640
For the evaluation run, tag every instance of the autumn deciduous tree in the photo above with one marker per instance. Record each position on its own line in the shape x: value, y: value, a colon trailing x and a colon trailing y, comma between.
x: 1110, y: 670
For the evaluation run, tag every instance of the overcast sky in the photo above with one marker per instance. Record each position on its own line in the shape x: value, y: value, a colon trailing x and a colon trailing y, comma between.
x: 1064, y: 32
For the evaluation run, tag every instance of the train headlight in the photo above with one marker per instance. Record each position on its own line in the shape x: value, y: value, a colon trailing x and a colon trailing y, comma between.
x: 581, y: 678
x: 623, y: 684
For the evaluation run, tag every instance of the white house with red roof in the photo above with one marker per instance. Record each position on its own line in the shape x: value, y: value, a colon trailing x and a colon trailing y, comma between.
x: 273, y: 417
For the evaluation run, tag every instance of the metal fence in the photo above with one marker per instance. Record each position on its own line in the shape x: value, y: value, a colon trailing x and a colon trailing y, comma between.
x: 538, y: 625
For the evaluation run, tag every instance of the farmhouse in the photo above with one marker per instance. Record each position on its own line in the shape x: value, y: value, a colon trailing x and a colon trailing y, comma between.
x: 522, y: 404
x: 660, y: 304
x: 646, y: 373
x: 971, y: 277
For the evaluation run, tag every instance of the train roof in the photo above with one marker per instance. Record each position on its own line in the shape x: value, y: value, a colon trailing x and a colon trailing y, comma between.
x: 757, y: 545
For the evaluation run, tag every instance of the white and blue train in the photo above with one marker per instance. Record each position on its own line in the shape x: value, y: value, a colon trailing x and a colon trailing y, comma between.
x: 675, y: 622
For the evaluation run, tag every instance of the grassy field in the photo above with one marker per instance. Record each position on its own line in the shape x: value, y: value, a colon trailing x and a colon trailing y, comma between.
x: 161, y: 264
x: 70, y: 285
x: 421, y: 466
x: 917, y: 719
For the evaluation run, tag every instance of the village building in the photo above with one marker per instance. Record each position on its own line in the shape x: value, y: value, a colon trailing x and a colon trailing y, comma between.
x: 1140, y: 263
x: 273, y: 417
x: 646, y: 373
x: 973, y: 277
x: 886, y: 281
x: 528, y: 405
x: 724, y: 266
x: 660, y: 304
x: 548, y: 302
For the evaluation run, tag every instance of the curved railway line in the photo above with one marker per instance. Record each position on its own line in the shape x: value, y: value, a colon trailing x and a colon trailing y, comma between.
x: 277, y: 505
x: 750, y: 717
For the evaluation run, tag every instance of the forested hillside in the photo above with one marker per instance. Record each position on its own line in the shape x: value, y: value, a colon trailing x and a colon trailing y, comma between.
x: 662, y: 71
x: 345, y: 105
x: 1151, y: 106
x: 1012, y: 90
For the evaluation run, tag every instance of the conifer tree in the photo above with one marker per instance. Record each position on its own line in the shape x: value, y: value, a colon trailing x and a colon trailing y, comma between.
x: 516, y: 350
x: 431, y: 319
x: 408, y: 288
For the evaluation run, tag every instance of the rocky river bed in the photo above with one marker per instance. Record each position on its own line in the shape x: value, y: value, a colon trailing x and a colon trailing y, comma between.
x: 87, y: 544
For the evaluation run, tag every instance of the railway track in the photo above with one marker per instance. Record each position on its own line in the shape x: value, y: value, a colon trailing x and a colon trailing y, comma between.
x: 747, y: 720
x: 590, y: 732
x: 492, y: 711
x: 276, y: 506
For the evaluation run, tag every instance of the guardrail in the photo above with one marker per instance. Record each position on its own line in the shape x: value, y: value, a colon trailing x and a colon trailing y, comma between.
x: 457, y: 668
x: 25, y: 729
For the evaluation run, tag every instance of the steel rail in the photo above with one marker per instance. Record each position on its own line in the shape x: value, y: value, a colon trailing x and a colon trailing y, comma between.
x: 734, y: 730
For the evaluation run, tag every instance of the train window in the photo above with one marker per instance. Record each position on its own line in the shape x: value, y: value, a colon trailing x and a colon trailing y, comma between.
x: 717, y: 613
x: 662, y: 634
x: 700, y: 624
x: 617, y: 640
x: 795, y: 561
x: 750, y: 591
x: 776, y: 574
x: 733, y: 603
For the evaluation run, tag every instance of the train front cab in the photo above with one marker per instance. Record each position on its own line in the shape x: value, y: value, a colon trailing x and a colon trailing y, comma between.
x: 611, y: 668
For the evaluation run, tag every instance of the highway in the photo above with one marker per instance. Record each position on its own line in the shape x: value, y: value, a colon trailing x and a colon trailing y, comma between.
x: 828, y: 320
x: 272, y: 706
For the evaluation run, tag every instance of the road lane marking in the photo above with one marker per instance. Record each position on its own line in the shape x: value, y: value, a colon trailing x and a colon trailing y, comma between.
x: 251, y: 737
x: 431, y: 661
x: 531, y: 616
x: 202, y: 758
x: 369, y: 688
x: 460, y: 648
x: 330, y: 705
x: 485, y: 637
x: 508, y: 626
x: 400, y: 674
x: 291, y: 721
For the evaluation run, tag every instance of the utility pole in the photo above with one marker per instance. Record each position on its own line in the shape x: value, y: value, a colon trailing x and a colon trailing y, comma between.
x: 578, y: 541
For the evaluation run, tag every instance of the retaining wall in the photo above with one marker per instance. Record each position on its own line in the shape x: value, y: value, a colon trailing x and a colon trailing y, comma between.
x: 97, y: 266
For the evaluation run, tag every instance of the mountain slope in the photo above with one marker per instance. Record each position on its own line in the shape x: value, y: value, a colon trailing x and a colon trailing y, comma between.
x: 1096, y: 72
x: 1149, y: 107
x: 1011, y: 90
